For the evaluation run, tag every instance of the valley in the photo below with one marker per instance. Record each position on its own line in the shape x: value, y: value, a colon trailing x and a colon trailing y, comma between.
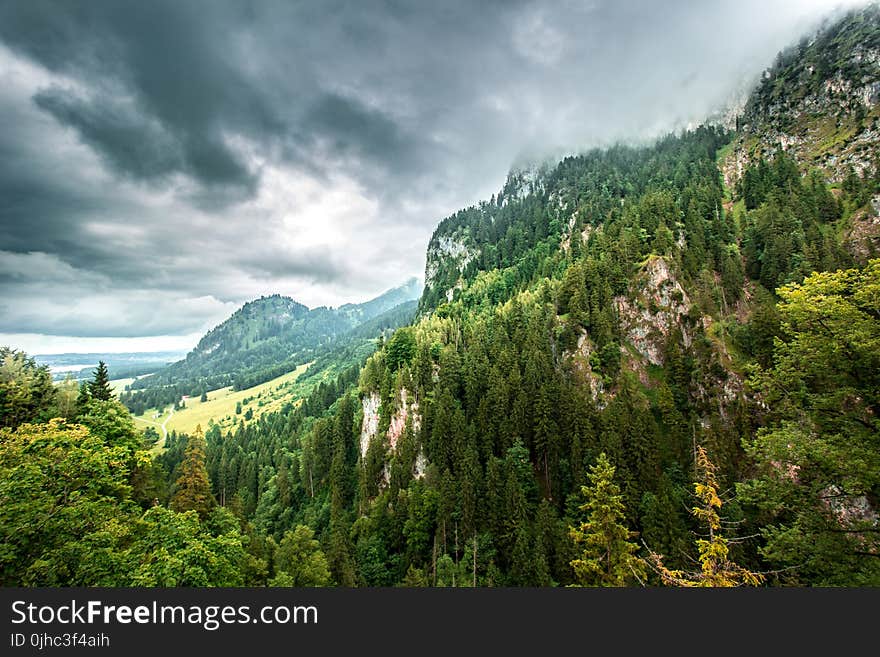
x: 226, y: 407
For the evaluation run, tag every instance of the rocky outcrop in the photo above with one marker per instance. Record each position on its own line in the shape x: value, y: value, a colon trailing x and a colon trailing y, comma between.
x: 421, y: 465
x: 582, y: 366
x: 657, y: 303
x: 524, y: 180
x: 447, y: 257
x: 820, y: 103
x: 862, y: 237
x: 370, y: 422
x: 849, y: 510
x: 565, y: 244
x: 406, y: 410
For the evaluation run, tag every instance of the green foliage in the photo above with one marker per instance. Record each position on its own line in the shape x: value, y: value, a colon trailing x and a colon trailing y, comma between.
x: 110, y: 421
x: 26, y: 391
x: 176, y: 549
x: 608, y: 557
x: 192, y: 491
x: 99, y: 387
x: 716, y: 567
x: 400, y: 349
x: 60, y: 487
x: 817, y: 458
x: 299, y: 560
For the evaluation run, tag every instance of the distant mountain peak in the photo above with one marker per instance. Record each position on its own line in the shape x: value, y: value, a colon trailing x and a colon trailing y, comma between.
x: 275, y: 333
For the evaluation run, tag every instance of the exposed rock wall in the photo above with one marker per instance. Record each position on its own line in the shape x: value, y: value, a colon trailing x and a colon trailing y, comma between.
x: 406, y: 409
x: 580, y: 358
x: 828, y: 119
x: 862, y: 237
x: 370, y: 423
x: 657, y: 304
x: 448, y: 251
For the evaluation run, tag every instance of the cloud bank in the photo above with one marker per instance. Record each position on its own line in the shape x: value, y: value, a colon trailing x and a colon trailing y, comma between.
x: 163, y: 162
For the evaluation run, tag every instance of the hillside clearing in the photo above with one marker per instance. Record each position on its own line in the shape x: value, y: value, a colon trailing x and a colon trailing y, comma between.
x: 223, y: 402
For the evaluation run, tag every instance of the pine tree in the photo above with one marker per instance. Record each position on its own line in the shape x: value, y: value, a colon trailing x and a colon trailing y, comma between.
x: 609, y: 557
x: 100, y: 385
x: 338, y: 553
x: 193, y: 488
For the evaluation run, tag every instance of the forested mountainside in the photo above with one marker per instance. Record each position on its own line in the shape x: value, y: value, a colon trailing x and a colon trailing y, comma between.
x: 818, y: 102
x: 632, y: 367
x: 268, y: 337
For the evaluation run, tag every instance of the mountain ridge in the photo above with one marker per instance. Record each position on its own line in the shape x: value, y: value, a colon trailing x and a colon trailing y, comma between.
x: 263, y: 339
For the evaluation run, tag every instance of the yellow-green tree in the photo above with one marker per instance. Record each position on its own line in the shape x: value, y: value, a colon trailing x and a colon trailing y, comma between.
x: 299, y: 560
x: 716, y: 568
x: 59, y: 487
x: 608, y: 557
x: 26, y: 390
x: 192, y: 491
x: 817, y: 461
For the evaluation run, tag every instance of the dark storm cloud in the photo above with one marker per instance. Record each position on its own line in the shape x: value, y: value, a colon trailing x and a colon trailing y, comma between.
x: 322, y: 265
x: 132, y: 144
x: 169, y: 64
x: 170, y: 150
x: 352, y: 128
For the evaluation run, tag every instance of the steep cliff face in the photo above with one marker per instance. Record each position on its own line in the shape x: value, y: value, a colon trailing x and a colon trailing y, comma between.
x: 370, y: 422
x: 582, y: 362
x: 862, y: 236
x: 656, y: 304
x: 447, y: 257
x: 407, y: 409
x: 819, y: 102
x: 406, y: 412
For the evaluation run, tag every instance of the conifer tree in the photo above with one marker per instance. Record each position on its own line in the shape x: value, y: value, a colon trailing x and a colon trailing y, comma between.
x: 609, y: 557
x: 193, y: 488
x: 83, y: 398
x: 339, y: 557
x: 716, y: 568
x: 100, y: 385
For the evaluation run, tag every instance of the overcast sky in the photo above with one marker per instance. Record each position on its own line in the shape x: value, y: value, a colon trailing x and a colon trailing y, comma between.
x: 162, y: 162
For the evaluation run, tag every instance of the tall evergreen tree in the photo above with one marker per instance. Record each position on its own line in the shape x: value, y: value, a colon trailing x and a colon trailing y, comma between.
x: 609, y: 557
x: 83, y: 398
x: 100, y: 385
x: 193, y: 488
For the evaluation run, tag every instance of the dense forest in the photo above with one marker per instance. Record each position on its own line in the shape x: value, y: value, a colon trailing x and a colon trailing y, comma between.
x: 627, y: 368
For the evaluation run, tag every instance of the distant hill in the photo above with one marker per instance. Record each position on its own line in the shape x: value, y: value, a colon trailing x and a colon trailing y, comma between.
x: 268, y: 337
